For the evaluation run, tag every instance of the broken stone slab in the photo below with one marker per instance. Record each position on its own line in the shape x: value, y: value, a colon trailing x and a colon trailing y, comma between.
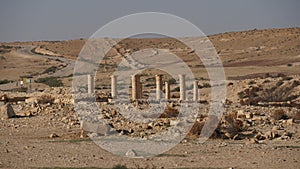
x: 7, y: 111
x: 174, y: 122
x: 53, y: 135
x: 290, y: 122
x: 31, y: 100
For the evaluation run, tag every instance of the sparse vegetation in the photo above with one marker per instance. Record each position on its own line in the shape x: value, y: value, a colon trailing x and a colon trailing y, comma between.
x: 50, y: 81
x: 278, y: 93
x: 119, y: 166
x: 206, y: 85
x: 242, y: 95
x: 5, y: 81
x: 50, y: 69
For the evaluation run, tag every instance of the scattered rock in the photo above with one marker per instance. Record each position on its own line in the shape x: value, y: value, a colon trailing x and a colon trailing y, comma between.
x: 92, y: 135
x: 31, y: 100
x: 260, y: 136
x: 290, y: 122
x: 27, y: 114
x: 241, y: 114
x: 229, y: 135
x: 253, y: 141
x: 249, y: 115
x: 270, y: 135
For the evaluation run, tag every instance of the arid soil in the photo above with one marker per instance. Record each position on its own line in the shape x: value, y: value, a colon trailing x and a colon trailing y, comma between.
x: 259, y: 128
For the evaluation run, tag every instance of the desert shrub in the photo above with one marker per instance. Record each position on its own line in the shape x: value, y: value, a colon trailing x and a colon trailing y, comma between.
x: 206, y: 85
x: 5, y: 81
x: 242, y: 95
x: 287, y: 78
x: 119, y: 166
x: 169, y: 113
x: 279, y: 93
x: 50, y: 81
x: 278, y: 114
x: 50, y: 69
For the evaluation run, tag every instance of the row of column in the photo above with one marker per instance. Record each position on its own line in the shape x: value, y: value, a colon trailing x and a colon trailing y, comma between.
x: 136, y: 91
x: 137, y: 87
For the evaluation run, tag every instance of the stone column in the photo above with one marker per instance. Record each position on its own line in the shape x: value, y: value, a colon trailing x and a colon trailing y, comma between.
x: 114, y: 92
x: 182, y: 87
x: 91, y: 85
x: 140, y: 90
x: 167, y: 90
x: 135, y: 80
x: 196, y: 93
x: 158, y: 79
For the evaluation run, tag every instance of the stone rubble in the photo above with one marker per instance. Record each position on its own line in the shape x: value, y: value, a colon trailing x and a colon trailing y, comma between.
x: 240, y: 121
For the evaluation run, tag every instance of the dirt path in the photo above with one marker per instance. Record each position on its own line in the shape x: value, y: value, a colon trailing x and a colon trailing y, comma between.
x: 26, y: 51
x: 67, y: 70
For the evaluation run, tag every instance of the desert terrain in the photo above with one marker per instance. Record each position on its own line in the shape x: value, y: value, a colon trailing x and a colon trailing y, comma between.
x: 259, y: 128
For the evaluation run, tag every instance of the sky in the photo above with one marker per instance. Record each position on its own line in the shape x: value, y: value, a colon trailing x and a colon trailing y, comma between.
x: 32, y: 20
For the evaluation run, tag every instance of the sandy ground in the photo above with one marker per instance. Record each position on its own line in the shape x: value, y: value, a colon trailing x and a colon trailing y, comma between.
x: 25, y: 143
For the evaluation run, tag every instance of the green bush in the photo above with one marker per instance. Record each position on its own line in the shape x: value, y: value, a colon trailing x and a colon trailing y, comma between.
x: 50, y: 69
x: 4, y: 81
x: 120, y: 167
x: 50, y: 81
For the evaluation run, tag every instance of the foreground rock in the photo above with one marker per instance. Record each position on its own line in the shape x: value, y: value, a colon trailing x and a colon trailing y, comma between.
x: 7, y: 111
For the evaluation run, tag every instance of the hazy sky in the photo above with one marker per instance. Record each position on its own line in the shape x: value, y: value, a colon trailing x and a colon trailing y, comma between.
x: 28, y: 20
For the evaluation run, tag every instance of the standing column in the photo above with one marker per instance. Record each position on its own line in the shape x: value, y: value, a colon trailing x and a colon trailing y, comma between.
x: 135, y: 80
x: 91, y: 81
x: 167, y: 90
x: 196, y: 93
x: 182, y: 86
x: 140, y: 90
x: 158, y: 86
x: 114, y: 92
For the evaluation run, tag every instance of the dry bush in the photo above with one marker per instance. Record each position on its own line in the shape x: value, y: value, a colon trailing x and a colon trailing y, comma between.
x: 280, y: 93
x: 278, y: 114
